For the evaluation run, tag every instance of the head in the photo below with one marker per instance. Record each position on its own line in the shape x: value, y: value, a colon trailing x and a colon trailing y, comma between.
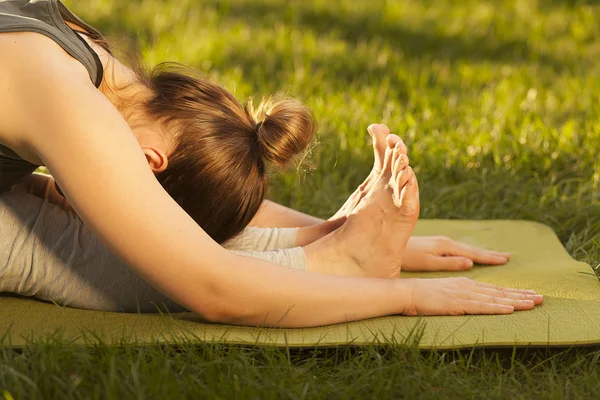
x: 220, y: 151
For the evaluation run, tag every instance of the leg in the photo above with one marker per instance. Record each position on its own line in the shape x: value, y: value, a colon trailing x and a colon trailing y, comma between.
x: 46, y: 252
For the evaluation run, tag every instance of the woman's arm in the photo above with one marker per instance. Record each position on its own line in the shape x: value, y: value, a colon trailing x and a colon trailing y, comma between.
x: 271, y: 214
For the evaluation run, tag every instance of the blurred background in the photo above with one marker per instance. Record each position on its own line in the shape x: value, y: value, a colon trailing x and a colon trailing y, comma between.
x: 498, y: 101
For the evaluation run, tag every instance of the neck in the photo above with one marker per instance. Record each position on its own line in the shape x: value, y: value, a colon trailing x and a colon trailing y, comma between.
x: 126, y: 92
x: 119, y: 82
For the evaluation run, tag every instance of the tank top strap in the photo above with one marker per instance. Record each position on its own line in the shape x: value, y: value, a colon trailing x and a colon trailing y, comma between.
x: 47, y: 17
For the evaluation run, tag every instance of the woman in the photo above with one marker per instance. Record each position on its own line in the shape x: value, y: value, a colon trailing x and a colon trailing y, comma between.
x: 57, y: 113
x: 47, y: 252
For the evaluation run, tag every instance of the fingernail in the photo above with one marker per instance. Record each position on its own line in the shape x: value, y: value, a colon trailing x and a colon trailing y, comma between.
x: 467, y: 263
x: 531, y: 292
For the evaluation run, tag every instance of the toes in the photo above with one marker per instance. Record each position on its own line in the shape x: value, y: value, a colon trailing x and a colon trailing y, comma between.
x: 394, y: 140
x: 399, y: 161
x: 378, y: 133
x: 375, y: 129
x: 386, y: 171
x: 403, y: 177
x: 409, y: 196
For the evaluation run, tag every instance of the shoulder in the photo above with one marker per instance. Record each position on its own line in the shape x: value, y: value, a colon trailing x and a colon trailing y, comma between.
x: 29, y: 52
x: 36, y: 77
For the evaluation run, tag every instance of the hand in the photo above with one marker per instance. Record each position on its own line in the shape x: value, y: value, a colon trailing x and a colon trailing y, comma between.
x: 439, y: 253
x: 459, y: 296
x: 44, y: 187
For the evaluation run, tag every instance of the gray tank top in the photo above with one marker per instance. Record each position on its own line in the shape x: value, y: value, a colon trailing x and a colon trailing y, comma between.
x: 46, y: 17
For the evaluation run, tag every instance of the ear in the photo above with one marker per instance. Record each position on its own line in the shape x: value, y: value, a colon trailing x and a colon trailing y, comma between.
x: 157, y: 159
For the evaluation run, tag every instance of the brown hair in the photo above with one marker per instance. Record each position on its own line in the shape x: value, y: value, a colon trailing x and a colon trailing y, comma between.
x: 223, y: 150
x: 218, y: 170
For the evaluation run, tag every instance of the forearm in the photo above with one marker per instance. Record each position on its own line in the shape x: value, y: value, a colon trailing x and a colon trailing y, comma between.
x: 272, y: 214
x: 256, y: 293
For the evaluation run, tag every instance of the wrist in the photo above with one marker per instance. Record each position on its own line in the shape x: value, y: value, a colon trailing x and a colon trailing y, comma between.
x: 404, y: 294
x: 310, y: 234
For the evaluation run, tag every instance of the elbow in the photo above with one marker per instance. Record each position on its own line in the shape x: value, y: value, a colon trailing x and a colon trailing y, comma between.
x: 221, y: 307
x: 237, y: 312
x: 230, y: 297
x: 219, y: 313
x: 228, y: 313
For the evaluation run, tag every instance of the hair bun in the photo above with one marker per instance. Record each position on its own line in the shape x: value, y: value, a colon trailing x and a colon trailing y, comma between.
x: 286, y: 129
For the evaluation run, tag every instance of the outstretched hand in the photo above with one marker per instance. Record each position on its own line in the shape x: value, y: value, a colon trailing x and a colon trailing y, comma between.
x: 459, y: 296
x: 439, y: 253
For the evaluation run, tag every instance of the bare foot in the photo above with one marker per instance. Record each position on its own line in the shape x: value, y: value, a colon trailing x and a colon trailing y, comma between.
x: 373, y: 239
x: 379, y: 135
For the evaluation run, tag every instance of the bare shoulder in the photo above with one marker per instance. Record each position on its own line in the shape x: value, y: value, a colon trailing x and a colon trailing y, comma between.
x: 33, y: 69
x: 36, y: 49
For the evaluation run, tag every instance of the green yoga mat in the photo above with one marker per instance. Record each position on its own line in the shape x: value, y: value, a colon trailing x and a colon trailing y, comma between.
x: 569, y: 316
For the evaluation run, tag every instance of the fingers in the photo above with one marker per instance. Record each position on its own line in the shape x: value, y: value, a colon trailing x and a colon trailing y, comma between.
x: 496, y: 300
x: 483, y: 294
x: 517, y: 304
x: 459, y: 296
x: 476, y: 254
x: 452, y: 263
x: 511, y: 290
x: 481, y: 307
x: 448, y: 264
x: 505, y: 294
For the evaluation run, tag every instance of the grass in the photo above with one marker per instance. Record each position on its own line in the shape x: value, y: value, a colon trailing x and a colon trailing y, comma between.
x: 499, y: 104
x: 52, y: 370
